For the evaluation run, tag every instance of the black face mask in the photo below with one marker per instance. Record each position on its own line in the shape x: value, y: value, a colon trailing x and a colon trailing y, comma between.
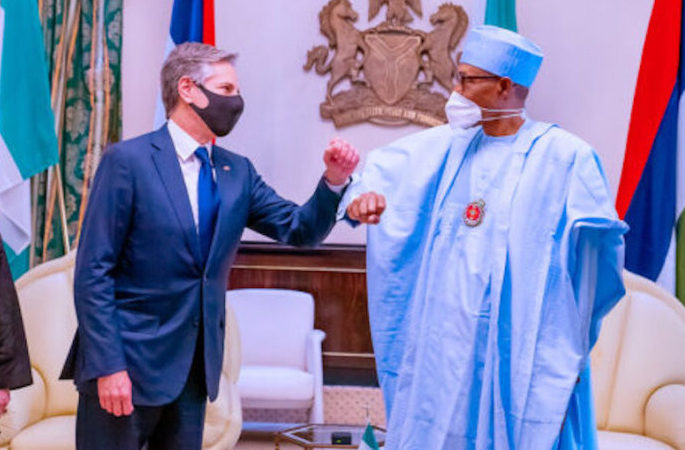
x: 221, y: 113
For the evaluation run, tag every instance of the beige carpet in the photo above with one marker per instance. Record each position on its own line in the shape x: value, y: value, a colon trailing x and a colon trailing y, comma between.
x: 346, y: 405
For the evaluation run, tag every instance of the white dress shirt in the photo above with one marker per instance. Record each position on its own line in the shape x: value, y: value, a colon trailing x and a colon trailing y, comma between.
x: 185, y: 147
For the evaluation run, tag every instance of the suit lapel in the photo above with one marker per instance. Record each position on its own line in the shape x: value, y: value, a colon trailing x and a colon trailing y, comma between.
x: 169, y: 170
x: 225, y: 180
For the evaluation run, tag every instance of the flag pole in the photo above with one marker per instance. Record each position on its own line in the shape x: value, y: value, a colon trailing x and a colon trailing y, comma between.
x: 58, y: 101
x: 62, y: 210
x: 99, y: 80
x: 34, y: 222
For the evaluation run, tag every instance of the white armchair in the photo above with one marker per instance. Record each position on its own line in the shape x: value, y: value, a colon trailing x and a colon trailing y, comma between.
x: 281, y: 351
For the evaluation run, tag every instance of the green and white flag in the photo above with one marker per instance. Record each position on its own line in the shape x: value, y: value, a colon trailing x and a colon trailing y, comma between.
x: 28, y: 144
x: 368, y: 439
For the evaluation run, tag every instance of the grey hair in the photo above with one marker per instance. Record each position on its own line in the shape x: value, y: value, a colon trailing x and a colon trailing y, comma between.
x: 191, y: 59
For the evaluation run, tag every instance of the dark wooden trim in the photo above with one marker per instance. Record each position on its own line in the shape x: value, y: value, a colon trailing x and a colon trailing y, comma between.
x: 272, y: 254
x: 336, y: 276
x: 349, y: 362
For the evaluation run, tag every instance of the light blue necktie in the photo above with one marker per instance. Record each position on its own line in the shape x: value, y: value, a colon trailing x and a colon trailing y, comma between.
x: 207, y: 202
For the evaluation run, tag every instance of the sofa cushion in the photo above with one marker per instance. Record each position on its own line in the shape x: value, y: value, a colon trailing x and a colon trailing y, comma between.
x: 27, y: 405
x: 47, y: 306
x: 665, y: 415
x: 651, y: 336
x: 223, y: 419
x: 262, y: 386
x: 605, y: 358
x: 609, y: 440
x: 54, y: 433
x: 218, y: 415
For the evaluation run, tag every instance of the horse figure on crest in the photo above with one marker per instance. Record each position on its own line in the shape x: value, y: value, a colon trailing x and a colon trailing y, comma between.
x: 450, y: 22
x: 336, y: 19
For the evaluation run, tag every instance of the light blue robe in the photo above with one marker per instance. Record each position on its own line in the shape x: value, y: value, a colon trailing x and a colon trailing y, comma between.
x: 481, y: 334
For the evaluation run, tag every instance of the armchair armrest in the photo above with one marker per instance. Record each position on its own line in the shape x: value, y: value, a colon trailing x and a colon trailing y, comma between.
x: 315, y: 367
x: 27, y: 406
x: 232, y: 350
x: 313, y: 352
x: 665, y: 415
x: 223, y: 418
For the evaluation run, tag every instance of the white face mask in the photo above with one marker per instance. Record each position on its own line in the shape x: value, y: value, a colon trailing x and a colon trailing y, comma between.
x: 463, y: 113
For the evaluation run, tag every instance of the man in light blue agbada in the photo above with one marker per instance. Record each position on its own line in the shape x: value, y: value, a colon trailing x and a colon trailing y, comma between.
x: 498, y: 253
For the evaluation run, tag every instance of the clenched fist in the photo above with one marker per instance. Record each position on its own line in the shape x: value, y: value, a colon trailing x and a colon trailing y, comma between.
x: 341, y: 159
x: 367, y: 208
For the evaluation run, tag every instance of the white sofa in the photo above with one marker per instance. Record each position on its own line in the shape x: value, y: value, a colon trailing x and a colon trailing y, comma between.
x: 638, y: 371
x: 42, y: 416
x: 281, y: 351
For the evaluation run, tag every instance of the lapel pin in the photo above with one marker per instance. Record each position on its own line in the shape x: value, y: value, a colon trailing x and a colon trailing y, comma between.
x: 226, y: 168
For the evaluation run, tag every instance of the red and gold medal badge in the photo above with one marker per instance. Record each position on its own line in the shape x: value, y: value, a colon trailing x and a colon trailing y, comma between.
x: 474, y: 213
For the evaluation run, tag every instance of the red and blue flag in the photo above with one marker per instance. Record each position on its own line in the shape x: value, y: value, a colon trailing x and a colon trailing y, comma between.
x: 650, y: 195
x: 191, y: 21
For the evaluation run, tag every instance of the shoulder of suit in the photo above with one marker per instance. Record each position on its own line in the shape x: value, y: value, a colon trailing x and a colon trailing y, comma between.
x: 130, y: 147
x: 229, y: 156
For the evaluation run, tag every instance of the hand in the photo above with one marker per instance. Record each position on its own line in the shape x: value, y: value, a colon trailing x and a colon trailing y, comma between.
x: 115, y: 394
x: 341, y: 159
x: 367, y: 208
x: 4, y: 400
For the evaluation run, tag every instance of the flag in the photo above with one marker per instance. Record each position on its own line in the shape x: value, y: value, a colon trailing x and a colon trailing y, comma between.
x: 501, y: 13
x: 191, y: 21
x: 368, y: 439
x: 650, y: 195
x: 28, y: 144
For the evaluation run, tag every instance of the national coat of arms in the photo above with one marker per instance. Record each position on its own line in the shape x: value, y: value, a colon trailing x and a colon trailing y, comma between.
x: 391, y: 68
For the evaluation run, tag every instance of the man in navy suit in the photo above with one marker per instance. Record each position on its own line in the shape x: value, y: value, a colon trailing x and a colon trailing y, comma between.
x: 162, y: 227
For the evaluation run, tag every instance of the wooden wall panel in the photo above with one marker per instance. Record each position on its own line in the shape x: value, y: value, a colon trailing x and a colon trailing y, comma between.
x: 335, y: 276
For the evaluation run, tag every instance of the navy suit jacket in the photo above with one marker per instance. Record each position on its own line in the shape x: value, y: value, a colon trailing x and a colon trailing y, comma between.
x: 140, y: 288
